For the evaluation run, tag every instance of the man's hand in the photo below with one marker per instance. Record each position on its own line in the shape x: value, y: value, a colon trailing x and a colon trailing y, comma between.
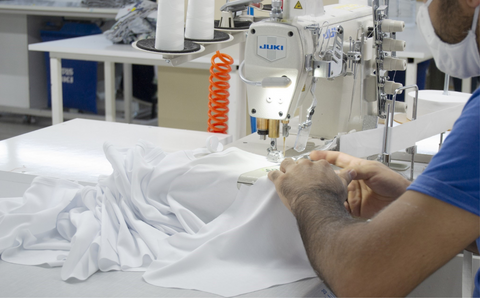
x: 423, y: 233
x: 297, y: 180
x: 374, y: 186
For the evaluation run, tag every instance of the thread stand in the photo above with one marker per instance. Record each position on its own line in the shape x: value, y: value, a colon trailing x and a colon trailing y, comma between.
x: 177, y: 58
x: 218, y: 37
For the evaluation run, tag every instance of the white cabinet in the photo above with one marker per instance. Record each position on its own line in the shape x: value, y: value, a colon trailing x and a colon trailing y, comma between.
x: 23, y: 78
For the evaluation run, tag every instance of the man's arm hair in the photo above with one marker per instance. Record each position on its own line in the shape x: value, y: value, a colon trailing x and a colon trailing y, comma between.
x: 391, y: 254
x: 313, y: 215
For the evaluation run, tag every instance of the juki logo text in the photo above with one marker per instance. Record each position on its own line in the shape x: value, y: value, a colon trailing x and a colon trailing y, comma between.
x: 272, y: 47
x: 329, y: 34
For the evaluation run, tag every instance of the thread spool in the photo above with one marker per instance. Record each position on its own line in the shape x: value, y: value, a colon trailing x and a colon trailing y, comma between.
x: 170, y: 25
x: 392, y: 26
x: 393, y: 45
x: 390, y: 63
x: 391, y: 86
x: 200, y: 19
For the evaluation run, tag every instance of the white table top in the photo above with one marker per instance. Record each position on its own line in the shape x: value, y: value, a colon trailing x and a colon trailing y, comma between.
x: 74, y: 149
x: 46, y: 282
x: 99, y: 48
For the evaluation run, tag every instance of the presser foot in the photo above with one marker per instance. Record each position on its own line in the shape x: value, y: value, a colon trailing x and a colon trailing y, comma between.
x: 275, y: 156
x: 249, y: 178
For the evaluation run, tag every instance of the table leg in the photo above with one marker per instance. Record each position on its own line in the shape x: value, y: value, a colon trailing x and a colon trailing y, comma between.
x: 467, y: 274
x: 56, y: 90
x: 467, y: 85
x: 109, y: 91
x: 411, y: 72
x: 410, y: 79
x: 127, y: 91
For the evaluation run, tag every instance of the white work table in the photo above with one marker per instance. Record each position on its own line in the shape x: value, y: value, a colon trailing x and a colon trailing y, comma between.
x: 98, y: 48
x: 73, y: 150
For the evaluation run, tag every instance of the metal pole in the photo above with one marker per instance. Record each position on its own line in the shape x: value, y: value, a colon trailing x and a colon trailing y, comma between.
x: 441, y: 141
x: 446, y: 84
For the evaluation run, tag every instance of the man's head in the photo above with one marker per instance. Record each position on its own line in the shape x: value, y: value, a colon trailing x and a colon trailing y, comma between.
x: 451, y: 29
x: 452, y: 19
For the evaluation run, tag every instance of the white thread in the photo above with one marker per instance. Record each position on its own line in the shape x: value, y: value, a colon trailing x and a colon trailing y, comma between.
x: 170, y: 25
x: 200, y: 17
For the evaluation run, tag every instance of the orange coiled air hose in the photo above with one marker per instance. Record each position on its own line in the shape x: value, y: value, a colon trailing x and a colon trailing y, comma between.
x: 218, y: 96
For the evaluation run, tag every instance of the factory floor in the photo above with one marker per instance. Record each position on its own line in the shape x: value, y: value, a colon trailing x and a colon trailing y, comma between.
x: 12, y: 125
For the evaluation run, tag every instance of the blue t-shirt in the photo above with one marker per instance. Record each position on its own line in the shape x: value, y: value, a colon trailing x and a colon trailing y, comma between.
x: 453, y: 175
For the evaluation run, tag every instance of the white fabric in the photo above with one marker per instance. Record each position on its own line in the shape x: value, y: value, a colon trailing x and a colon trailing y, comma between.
x: 179, y: 217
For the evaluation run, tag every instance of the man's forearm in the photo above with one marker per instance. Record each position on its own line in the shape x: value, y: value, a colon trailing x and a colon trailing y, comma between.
x: 388, y: 256
x: 320, y: 217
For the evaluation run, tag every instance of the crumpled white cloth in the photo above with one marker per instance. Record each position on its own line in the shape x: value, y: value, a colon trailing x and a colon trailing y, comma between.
x: 180, y: 217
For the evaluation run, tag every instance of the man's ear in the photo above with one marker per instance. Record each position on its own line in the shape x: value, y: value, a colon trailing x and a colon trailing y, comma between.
x: 472, y: 3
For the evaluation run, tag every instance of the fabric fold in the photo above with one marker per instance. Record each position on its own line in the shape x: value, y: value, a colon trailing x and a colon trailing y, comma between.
x: 179, y: 216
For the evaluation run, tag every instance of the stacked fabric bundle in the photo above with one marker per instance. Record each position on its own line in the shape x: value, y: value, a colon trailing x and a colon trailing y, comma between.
x: 134, y: 22
x: 106, y: 3
x: 180, y: 217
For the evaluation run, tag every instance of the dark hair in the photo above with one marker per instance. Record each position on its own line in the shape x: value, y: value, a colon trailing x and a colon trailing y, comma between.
x: 452, y: 30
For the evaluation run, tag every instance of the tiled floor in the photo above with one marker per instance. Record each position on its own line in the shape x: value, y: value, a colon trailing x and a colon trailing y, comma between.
x: 12, y: 125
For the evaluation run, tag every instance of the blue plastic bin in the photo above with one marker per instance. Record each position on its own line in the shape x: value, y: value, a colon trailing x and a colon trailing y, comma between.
x: 79, y: 77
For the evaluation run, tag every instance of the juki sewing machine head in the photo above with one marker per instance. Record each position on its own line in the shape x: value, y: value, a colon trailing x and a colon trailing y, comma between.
x: 329, y: 61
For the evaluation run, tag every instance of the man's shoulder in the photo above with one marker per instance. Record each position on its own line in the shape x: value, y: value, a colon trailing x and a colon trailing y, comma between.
x: 474, y: 99
x: 470, y: 118
x: 454, y: 172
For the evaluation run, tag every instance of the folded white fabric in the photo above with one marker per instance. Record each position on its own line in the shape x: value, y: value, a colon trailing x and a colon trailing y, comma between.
x: 180, y: 217
x: 253, y: 245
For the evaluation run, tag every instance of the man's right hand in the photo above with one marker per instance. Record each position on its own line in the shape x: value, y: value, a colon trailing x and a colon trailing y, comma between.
x: 374, y: 185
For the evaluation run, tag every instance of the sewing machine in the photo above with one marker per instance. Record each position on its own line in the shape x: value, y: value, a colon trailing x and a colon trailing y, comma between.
x: 328, y: 65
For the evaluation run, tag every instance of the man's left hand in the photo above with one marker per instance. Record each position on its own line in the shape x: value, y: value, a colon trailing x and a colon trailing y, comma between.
x: 298, y: 180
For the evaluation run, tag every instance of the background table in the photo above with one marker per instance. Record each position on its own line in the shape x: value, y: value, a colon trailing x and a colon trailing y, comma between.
x: 98, y: 48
